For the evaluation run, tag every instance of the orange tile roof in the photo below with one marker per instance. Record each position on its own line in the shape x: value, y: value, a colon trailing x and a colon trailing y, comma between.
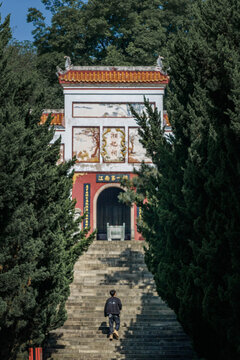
x: 112, y: 76
x: 58, y: 118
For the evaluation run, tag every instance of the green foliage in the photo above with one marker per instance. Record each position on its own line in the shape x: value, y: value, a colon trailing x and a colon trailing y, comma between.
x: 191, y: 220
x: 103, y: 32
x: 107, y: 32
x: 22, y: 56
x: 89, y: 32
x: 39, y: 239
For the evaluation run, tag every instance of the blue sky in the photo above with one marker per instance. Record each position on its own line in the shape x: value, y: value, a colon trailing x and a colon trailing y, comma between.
x: 18, y: 9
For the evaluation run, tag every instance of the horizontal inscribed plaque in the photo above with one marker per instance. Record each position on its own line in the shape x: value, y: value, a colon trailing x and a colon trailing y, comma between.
x: 111, y: 178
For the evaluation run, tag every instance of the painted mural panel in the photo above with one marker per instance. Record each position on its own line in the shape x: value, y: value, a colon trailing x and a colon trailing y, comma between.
x: 61, y: 159
x: 86, y: 144
x: 136, y: 152
x: 113, y: 145
x: 105, y: 110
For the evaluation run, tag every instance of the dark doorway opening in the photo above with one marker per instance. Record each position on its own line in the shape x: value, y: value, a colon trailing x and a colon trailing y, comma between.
x: 110, y: 210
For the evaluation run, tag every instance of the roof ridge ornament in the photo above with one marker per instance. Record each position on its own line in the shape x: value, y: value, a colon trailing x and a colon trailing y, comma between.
x: 68, y: 63
x: 159, y: 66
x: 68, y: 66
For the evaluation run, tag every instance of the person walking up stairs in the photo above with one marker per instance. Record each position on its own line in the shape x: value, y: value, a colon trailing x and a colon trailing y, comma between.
x: 112, y: 309
x: 149, y: 329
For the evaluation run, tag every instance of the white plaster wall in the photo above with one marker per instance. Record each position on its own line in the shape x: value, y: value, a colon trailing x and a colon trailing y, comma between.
x: 117, y: 95
x: 59, y: 133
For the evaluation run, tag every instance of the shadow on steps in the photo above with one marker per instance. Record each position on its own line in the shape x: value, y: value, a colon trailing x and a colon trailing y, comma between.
x: 104, y: 328
x: 52, y: 339
x: 154, y: 334
x: 152, y: 331
x: 149, y: 329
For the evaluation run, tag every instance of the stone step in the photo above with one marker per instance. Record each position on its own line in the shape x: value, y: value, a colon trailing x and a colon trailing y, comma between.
x: 111, y: 269
x: 117, y: 272
x: 101, y: 331
x: 133, y: 307
x: 126, y: 313
x: 78, y: 307
x: 130, y: 350
x: 115, y: 257
x: 141, y: 327
x: 106, y: 287
x: 105, y: 257
x: 136, y: 295
x: 132, y: 302
x: 115, y: 265
x: 98, y: 342
x: 113, y: 272
x: 113, y: 283
x: 115, y: 244
x: 128, y: 310
x: 116, y: 250
x: 132, y: 343
x: 103, y: 292
x: 127, y: 298
x: 145, y: 286
x: 128, y: 293
x: 141, y: 322
x: 116, y: 355
x: 120, y: 357
x: 160, y: 341
x: 98, y: 314
x: 147, y: 355
x: 118, y: 278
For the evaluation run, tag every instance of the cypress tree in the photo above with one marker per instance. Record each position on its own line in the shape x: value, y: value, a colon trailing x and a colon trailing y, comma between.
x: 211, y: 175
x: 191, y: 220
x: 39, y: 239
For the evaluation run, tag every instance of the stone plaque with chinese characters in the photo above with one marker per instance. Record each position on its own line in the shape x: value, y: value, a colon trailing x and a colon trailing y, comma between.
x: 86, y: 144
x: 136, y: 151
x: 113, y: 144
x: 111, y: 178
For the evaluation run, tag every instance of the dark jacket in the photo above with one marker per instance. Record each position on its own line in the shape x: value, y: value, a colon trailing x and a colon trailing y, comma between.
x: 113, y: 306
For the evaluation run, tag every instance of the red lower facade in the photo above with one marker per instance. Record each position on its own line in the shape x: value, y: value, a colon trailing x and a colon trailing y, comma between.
x: 91, y: 189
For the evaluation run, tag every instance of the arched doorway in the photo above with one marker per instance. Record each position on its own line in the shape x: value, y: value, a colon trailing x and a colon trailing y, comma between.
x: 110, y: 210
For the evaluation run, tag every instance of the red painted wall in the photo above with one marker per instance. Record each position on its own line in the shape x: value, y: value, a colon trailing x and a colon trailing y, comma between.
x: 90, y: 178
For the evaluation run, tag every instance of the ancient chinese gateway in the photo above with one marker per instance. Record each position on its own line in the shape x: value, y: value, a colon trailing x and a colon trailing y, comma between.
x: 97, y: 127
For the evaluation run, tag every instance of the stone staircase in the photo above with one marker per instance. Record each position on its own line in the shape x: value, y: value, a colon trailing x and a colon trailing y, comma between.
x: 149, y: 329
